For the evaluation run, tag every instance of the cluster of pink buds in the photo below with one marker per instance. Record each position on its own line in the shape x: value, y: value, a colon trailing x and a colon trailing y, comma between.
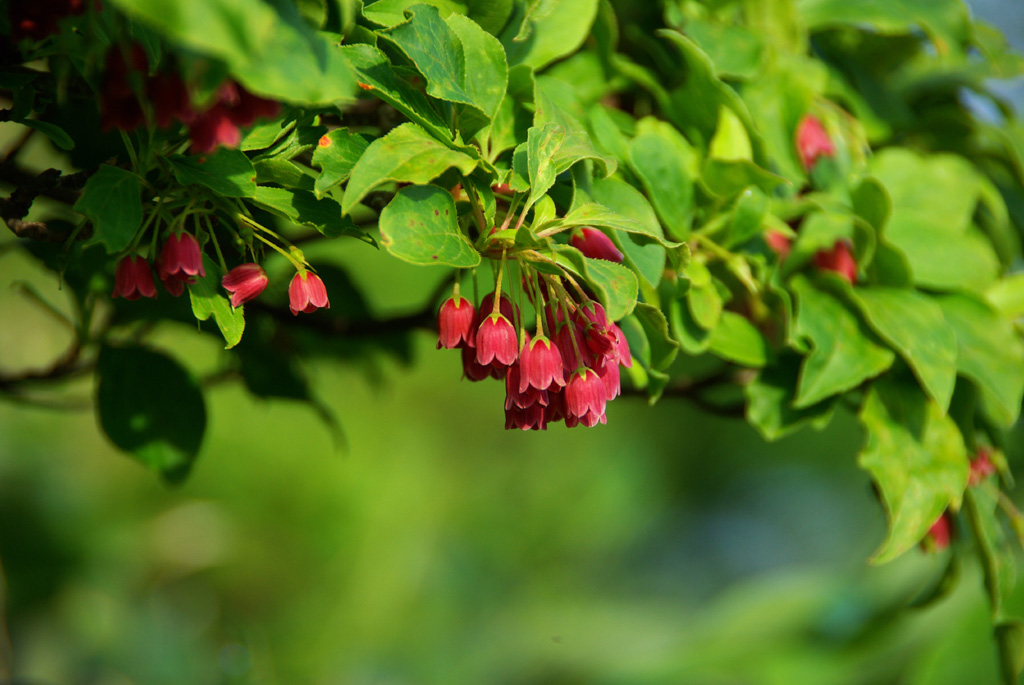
x: 940, y: 534
x: 570, y: 374
x: 220, y: 123
x: 180, y: 261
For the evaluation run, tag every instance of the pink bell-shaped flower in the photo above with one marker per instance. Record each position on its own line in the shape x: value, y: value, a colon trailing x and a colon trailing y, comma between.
x: 595, y: 244
x: 245, y: 282
x: 540, y: 365
x: 133, y: 279
x: 496, y: 341
x: 525, y: 397
x: 456, y: 323
x: 526, y: 418
x: 181, y: 257
x: 812, y: 141
x: 306, y: 293
x: 585, y: 398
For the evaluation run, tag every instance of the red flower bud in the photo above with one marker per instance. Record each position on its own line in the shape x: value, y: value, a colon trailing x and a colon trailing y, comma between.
x: 307, y: 293
x: 778, y: 242
x: 839, y: 259
x: 134, y: 279
x: 812, y: 141
x: 456, y: 323
x: 981, y: 467
x: 595, y: 244
x: 940, y: 533
x: 245, y: 282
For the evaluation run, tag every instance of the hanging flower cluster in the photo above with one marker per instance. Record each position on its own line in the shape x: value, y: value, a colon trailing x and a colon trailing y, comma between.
x: 565, y: 368
x: 127, y: 86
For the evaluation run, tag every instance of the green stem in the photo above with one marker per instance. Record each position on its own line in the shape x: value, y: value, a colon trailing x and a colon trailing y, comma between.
x: 496, y: 309
x: 132, y: 155
x: 216, y: 244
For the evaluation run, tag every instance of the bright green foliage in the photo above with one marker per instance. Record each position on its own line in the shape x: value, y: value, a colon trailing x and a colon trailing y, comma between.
x: 806, y: 202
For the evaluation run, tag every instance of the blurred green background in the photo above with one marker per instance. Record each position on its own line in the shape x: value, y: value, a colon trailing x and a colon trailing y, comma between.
x: 666, y: 547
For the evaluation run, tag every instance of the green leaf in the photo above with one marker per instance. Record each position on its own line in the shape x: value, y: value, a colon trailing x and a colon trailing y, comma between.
x: 989, y: 353
x: 491, y: 15
x: 737, y: 340
x: 663, y: 349
x: 615, y: 285
x: 916, y: 456
x: 270, y: 49
x: 648, y: 260
x: 1007, y: 296
x: 933, y: 203
x: 668, y: 167
x: 844, y: 353
x: 420, y: 226
x: 407, y: 154
x: 556, y: 103
x: 913, y: 324
x: 730, y: 142
x: 302, y: 207
x: 376, y: 74
x: 208, y: 300
x: 228, y: 172
x: 725, y: 178
x: 595, y: 214
x: 545, y: 31
x: 541, y: 144
x: 150, y: 407
x: 944, y: 21
x: 284, y: 173
x: 112, y: 201
x: 336, y: 154
x: 770, y: 399
x: 461, y: 63
x: 705, y: 304
x: 55, y: 133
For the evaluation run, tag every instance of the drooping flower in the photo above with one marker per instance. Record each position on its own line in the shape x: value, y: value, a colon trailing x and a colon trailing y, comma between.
x: 245, y: 282
x: 839, y: 259
x: 181, y: 258
x: 170, y: 99
x: 307, y: 293
x: 585, y: 398
x: 611, y: 376
x: 624, y: 356
x: 119, y: 104
x: 595, y: 244
x: 532, y: 417
x: 133, y: 279
x: 540, y: 365
x: 470, y: 368
x: 505, y: 306
x: 456, y: 323
x: 496, y: 341
x: 521, y: 397
x: 221, y: 124
x: 812, y: 141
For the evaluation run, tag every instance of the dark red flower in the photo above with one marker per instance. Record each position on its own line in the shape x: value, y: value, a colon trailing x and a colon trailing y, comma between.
x: 518, y: 396
x: 533, y: 417
x: 505, y: 306
x: 622, y: 353
x: 245, y: 282
x: 812, y: 141
x: 181, y: 258
x: 585, y: 398
x: 170, y: 99
x: 839, y: 259
x: 611, y: 377
x: 212, y: 128
x: 456, y: 323
x: 595, y: 244
x: 119, y: 103
x: 496, y: 341
x: 134, y: 279
x: 307, y: 293
x: 470, y: 368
